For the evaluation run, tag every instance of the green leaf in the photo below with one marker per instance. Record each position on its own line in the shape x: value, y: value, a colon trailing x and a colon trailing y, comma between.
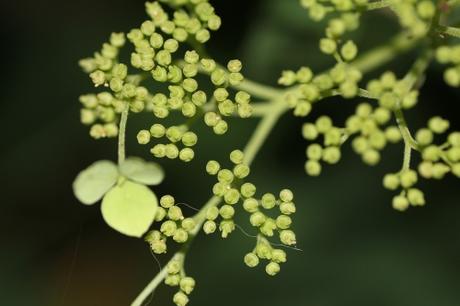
x: 138, y: 170
x: 91, y: 184
x: 129, y: 208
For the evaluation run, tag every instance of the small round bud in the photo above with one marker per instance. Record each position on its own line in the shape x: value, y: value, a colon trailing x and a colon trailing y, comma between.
x: 408, y: 178
x: 220, y: 128
x: 189, y: 139
x: 391, y: 181
x: 187, y: 284
x: 287, y: 237
x: 287, y: 208
x: 257, y: 219
x: 226, y: 227
x: 400, y: 203
x: 272, y: 268
x: 415, y: 197
x: 236, y: 156
x: 241, y: 171
x: 186, y: 154
x: 225, y: 176
x: 234, y: 66
x: 212, y: 167
x: 232, y: 196
x: 171, y: 151
x: 227, y: 211
x: 157, y: 130
x: 251, y: 205
x: 248, y: 190
x: 209, y: 227
x: 168, y: 228
x: 268, y: 201
x: 279, y: 256
x: 172, y: 280
x: 175, y: 213
x: 438, y: 125
x: 188, y: 224
x: 180, y: 299
x: 283, y: 222
x: 174, y: 267
x: 180, y: 236
x: 167, y: 201
x: 349, y: 51
x: 313, y: 168
x: 251, y: 260
x: 143, y: 137
x: 286, y: 195
x: 327, y: 45
x: 212, y: 213
x: 309, y: 131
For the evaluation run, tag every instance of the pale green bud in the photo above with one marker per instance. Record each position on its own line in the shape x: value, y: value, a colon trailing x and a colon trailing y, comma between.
x: 241, y: 171
x: 168, y: 228
x: 283, y: 222
x: 180, y: 299
x: 250, y: 205
x: 327, y: 45
x: 268, y: 201
x: 251, y: 260
x: 209, y: 227
x: 408, y: 178
x: 279, y: 256
x: 287, y: 208
x: 175, y: 213
x: 227, y: 211
x: 349, y: 51
x: 187, y: 284
x: 186, y: 154
x: 313, y: 168
x: 221, y: 127
x: 232, y: 196
x: 400, y: 203
x: 226, y: 227
x: 257, y: 219
x: 287, y: 237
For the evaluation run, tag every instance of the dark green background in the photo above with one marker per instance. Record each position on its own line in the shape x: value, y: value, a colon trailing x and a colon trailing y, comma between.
x: 357, y: 251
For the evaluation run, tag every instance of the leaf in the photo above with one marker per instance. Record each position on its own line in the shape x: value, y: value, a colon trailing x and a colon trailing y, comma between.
x: 129, y: 208
x: 91, y: 184
x: 138, y: 170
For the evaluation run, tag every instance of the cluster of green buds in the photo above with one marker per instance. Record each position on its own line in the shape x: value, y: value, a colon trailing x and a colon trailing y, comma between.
x: 342, y: 80
x: 176, y: 135
x: 414, y: 16
x: 101, y: 112
x: 173, y: 225
x: 450, y: 55
x: 405, y: 179
x: 438, y: 160
x: 265, y: 251
x: 368, y: 127
x: 349, y: 10
x: 392, y: 93
x: 176, y: 278
x: 234, y: 190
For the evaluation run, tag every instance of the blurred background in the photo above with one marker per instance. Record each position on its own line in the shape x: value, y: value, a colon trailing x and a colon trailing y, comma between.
x: 356, y: 249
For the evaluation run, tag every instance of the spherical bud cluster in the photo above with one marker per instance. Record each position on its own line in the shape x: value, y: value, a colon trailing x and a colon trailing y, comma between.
x: 391, y: 93
x: 101, y: 112
x: 415, y: 16
x: 173, y: 223
x: 409, y: 195
x: 329, y: 153
x: 176, y: 278
x: 342, y: 78
x: 180, y: 140
x: 450, y: 55
x: 264, y: 251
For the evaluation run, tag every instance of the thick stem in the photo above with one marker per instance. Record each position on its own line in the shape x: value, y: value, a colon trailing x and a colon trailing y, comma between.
x: 122, y: 134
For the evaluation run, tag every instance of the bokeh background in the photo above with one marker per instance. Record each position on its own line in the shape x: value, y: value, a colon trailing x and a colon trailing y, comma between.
x: 357, y: 251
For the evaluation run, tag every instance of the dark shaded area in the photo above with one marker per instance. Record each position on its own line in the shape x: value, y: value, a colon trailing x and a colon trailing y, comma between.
x: 357, y: 250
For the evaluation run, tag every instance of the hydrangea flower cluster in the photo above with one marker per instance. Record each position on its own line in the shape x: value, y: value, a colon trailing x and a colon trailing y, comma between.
x: 156, y: 57
x: 235, y: 191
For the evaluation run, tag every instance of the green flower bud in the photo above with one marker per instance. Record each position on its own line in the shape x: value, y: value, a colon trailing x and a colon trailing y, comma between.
x: 199, y: 98
x: 227, y: 211
x: 408, y: 178
x: 333, y: 137
x: 391, y: 181
x: 268, y: 227
x: 313, y: 168
x: 250, y: 205
x: 279, y: 256
x: 438, y: 125
x: 454, y: 139
x: 323, y: 124
x: 272, y: 268
x: 158, y: 247
x: 180, y: 34
x: 336, y: 27
x: 226, y: 227
x: 221, y: 94
x: 218, y: 77
x: 309, y: 131
x: 287, y: 208
x: 349, y: 51
x: 209, y: 227
x: 171, y: 151
x: 232, y: 196
x: 400, y: 203
x: 331, y: 155
x: 191, y: 57
x: 371, y: 157
x: 327, y: 45
x: 98, y: 78
x: 180, y: 299
x: 212, y: 167
x: 159, y: 150
x: 248, y: 190
x: 188, y: 224
x: 208, y: 65
x: 393, y: 134
x: 314, y: 152
x: 211, y: 119
x: 187, y: 284
x: 219, y: 189
x: 117, y: 39
x: 221, y: 127
x: 174, y: 267
x: 302, y: 109
x: 168, y: 228
x: 167, y: 201
x: 263, y: 250
x: 241, y: 171
x: 424, y: 137
x: 286, y: 195
x: 189, y: 139
x: 163, y: 58
x: 234, y: 66
x: 180, y: 236
x: 160, y: 74
x: 242, y: 97
x: 172, y: 280
x: 225, y: 176
x: 415, y: 197
x: 426, y: 169
x: 143, y: 137
x: 135, y: 35
x: 257, y: 219
x: 186, y: 154
x: 287, y: 237
x: 251, y: 260
x: 456, y: 169
x: 440, y: 170
x: 283, y: 222
x: 287, y: 78
x: 226, y: 108
x: 156, y: 40
x: 268, y: 201
x: 452, y: 77
x: 214, y: 22
x: 190, y: 85
x: 212, y: 213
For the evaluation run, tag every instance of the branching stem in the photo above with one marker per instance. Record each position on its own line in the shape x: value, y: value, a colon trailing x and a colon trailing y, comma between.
x: 122, y: 134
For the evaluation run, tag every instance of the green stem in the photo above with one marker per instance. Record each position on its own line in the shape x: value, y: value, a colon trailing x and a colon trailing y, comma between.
x: 378, y: 5
x: 122, y: 134
x: 451, y: 31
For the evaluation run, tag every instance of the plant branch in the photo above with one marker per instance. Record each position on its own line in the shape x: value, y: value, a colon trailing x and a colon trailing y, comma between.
x: 122, y: 134
x: 378, y: 5
x: 451, y: 31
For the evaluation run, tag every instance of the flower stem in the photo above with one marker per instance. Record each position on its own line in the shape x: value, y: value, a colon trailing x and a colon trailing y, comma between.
x: 122, y: 134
